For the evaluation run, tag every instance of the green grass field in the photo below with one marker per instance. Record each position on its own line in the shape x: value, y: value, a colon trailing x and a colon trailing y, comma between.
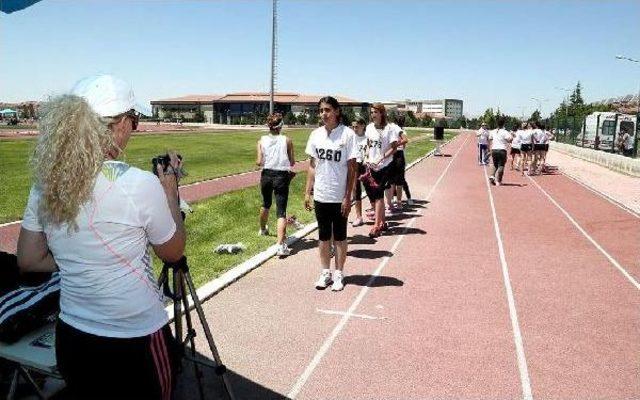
x: 207, y: 155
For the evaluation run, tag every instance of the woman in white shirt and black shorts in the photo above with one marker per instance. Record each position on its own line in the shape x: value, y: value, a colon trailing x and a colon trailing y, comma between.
x: 331, y: 174
x: 382, y: 139
x: 499, y: 140
x: 275, y: 156
x: 525, y: 137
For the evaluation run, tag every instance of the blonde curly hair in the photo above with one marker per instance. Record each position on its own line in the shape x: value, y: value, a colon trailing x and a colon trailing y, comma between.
x: 71, y: 148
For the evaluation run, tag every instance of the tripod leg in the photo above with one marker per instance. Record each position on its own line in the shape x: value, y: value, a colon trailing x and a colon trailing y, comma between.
x: 177, y: 312
x: 207, y: 333
x: 191, y: 338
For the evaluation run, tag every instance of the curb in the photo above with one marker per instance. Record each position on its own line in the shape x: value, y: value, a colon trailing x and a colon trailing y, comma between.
x: 213, y: 287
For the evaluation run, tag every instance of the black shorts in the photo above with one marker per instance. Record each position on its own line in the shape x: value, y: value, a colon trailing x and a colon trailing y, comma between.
x: 546, y: 147
x: 97, y: 367
x: 538, y: 147
x: 514, y: 151
x: 382, y: 179
x: 276, y: 182
x: 525, y: 147
x: 330, y: 221
x: 358, y: 192
x: 398, y: 165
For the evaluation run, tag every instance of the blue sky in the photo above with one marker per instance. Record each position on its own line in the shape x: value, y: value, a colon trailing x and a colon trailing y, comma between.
x: 488, y: 53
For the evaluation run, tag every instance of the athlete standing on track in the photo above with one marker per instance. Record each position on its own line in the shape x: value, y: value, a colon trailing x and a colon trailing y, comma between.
x: 361, y: 145
x: 275, y: 156
x: 499, y: 139
x: 399, y: 182
x: 382, y: 139
x: 515, y: 150
x: 332, y: 172
x: 538, y: 147
x: 483, y: 144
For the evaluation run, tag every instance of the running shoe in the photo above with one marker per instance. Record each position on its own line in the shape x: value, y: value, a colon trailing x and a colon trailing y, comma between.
x: 374, y: 233
x: 410, y: 202
x: 264, y: 232
x: 357, y: 222
x: 384, y: 227
x: 492, y: 180
x: 337, y: 281
x: 283, y: 250
x: 324, y: 280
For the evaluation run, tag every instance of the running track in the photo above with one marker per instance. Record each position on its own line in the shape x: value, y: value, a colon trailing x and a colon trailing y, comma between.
x: 524, y: 291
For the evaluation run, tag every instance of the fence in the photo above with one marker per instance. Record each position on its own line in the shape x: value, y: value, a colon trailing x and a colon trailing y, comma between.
x: 570, y: 129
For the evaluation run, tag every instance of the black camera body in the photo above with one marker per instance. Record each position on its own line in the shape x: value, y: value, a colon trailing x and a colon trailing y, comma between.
x: 163, y: 160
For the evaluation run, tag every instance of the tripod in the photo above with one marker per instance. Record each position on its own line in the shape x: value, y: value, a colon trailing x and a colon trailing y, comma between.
x: 181, y: 283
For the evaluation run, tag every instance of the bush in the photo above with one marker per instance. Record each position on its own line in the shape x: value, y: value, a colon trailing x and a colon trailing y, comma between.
x: 289, y: 118
x: 301, y: 119
x: 198, y: 116
x: 313, y: 119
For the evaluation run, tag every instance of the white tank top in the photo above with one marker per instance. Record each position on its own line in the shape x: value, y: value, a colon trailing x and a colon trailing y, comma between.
x: 274, y: 151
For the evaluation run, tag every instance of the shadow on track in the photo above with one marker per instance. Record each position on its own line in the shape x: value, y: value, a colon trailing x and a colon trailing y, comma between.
x: 370, y: 254
x: 379, y: 281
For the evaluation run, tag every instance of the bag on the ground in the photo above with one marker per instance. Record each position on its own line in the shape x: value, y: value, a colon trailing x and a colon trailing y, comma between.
x: 23, y: 307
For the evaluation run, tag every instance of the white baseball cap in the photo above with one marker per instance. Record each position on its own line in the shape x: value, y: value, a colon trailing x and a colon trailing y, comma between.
x: 108, y: 96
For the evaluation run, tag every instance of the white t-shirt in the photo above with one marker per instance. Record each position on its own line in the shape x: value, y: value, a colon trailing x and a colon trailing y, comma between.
x: 361, y: 147
x: 500, y: 138
x: 515, y: 143
x: 274, y: 151
x: 539, y: 136
x: 525, y: 136
x: 483, y: 136
x: 331, y: 153
x: 107, y: 285
x: 380, y: 141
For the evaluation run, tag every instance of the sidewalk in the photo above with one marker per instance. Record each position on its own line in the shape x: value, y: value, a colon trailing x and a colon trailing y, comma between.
x: 621, y: 188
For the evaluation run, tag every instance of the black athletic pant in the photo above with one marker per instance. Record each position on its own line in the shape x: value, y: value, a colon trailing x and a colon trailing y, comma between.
x: 499, y: 161
x: 330, y: 221
x: 97, y: 367
x: 275, y: 182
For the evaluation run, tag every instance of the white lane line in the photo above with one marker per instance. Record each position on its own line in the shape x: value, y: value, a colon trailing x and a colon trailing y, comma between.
x: 515, y: 325
x: 602, y: 250
x: 297, y: 387
x: 363, y: 316
x: 10, y: 223
x: 605, y: 196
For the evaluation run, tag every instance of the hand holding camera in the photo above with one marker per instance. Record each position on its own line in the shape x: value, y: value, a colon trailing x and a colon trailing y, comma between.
x: 168, y: 168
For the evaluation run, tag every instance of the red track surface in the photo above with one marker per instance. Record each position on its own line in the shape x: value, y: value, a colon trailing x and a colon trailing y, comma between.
x: 436, y: 323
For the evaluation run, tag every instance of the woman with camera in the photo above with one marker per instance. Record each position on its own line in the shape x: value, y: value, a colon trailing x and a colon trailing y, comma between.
x: 93, y: 218
x: 275, y: 156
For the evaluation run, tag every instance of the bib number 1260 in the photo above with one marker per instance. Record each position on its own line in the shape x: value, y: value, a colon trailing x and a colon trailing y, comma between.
x: 329, y: 155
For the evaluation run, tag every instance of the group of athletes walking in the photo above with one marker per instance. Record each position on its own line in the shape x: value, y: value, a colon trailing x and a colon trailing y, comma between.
x: 343, y: 160
x: 528, y: 147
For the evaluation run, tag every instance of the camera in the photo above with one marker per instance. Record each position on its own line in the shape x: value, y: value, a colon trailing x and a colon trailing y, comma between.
x: 163, y: 160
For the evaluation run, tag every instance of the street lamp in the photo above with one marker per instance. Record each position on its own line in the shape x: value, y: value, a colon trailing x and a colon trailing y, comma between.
x: 635, y: 141
x: 539, y: 101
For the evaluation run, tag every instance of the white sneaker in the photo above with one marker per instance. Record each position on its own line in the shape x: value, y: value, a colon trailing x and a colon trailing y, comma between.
x: 283, y: 250
x: 410, y: 202
x: 324, y: 280
x: 492, y: 180
x: 357, y: 222
x: 337, y: 281
x: 263, y: 232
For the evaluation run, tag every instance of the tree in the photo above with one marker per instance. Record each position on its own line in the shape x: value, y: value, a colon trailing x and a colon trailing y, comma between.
x: 489, y: 118
x: 535, y: 117
x: 313, y: 118
x: 348, y: 116
x: 410, y: 119
x: 198, y: 116
x: 289, y: 118
x: 301, y: 119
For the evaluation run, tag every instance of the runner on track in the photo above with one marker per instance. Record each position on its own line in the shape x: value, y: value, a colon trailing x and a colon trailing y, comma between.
x: 499, y: 139
x: 358, y: 127
x: 332, y: 171
x: 483, y: 144
x: 525, y: 137
x: 382, y: 139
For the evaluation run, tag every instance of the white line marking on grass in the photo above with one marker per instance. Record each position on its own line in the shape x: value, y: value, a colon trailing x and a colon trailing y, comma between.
x: 602, y: 250
x: 515, y: 325
x: 346, y: 313
x: 297, y: 387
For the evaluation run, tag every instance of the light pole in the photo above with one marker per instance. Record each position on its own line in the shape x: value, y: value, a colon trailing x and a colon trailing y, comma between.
x: 635, y: 139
